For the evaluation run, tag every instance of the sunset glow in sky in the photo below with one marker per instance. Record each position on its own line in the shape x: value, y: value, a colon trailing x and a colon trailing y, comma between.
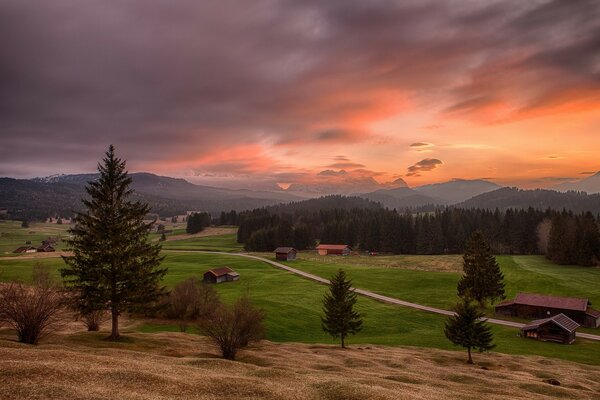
x: 257, y: 93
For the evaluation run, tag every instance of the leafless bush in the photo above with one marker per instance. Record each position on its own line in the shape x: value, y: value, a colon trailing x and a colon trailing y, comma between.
x: 190, y: 300
x: 234, y: 327
x: 33, y: 312
x: 94, y: 319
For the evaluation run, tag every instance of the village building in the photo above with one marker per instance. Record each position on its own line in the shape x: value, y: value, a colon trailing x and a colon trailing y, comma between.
x: 25, y: 249
x: 46, y: 248
x: 559, y: 328
x: 285, y: 253
x: 529, y: 305
x: 333, y: 249
x: 223, y: 274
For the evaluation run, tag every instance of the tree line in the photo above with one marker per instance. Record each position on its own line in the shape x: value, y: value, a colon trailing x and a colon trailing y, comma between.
x: 565, y: 237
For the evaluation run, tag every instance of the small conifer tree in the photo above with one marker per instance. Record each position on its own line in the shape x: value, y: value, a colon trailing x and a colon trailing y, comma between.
x: 467, y: 328
x: 338, y: 305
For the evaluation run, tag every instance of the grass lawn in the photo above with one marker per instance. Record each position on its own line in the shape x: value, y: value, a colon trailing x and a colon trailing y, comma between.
x: 293, y: 306
x: 12, y: 236
x: 438, y: 289
x: 225, y: 243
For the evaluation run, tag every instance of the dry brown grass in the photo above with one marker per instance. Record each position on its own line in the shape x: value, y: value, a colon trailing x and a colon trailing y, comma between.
x: 210, y: 231
x: 173, y: 365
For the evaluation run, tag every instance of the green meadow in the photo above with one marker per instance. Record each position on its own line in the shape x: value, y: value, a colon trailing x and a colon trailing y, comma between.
x: 12, y: 236
x: 293, y: 304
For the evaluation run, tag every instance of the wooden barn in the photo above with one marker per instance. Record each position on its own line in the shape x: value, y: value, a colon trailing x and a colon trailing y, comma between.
x: 223, y: 274
x: 25, y: 249
x: 285, y: 253
x: 333, y: 249
x: 45, y: 248
x: 559, y: 328
x: 529, y: 305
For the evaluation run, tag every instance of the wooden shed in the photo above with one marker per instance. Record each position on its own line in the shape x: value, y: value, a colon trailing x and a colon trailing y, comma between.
x: 285, y: 253
x: 530, y: 305
x: 559, y: 328
x: 223, y: 274
x: 45, y: 248
x: 333, y: 249
x: 25, y: 249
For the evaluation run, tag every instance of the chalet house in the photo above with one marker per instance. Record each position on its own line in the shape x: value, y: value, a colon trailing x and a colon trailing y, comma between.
x: 529, y: 305
x: 45, y: 248
x: 285, y: 253
x: 25, y: 249
x: 559, y: 328
x: 333, y: 249
x: 223, y: 274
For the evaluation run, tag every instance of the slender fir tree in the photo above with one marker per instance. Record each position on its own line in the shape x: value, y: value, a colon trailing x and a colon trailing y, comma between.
x: 338, y: 305
x: 467, y: 328
x: 482, y: 279
x: 114, y: 265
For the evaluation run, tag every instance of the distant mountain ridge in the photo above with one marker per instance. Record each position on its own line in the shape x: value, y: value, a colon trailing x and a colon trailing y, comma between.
x: 589, y: 185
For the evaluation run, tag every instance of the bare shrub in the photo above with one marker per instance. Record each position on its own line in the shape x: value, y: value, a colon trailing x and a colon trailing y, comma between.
x: 190, y: 300
x: 234, y: 327
x: 33, y: 311
x: 93, y: 320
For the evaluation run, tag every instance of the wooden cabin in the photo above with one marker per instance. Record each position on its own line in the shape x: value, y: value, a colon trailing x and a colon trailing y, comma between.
x: 333, y: 249
x: 223, y: 274
x: 285, y: 253
x: 530, y: 305
x: 559, y: 328
x: 45, y: 248
x: 25, y: 249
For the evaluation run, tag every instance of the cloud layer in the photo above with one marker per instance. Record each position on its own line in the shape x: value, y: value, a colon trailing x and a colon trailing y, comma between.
x: 270, y: 88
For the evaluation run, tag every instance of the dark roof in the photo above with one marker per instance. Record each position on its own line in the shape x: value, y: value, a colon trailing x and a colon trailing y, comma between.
x: 23, y: 249
x: 591, y: 312
x: 542, y: 300
x: 561, y: 320
x: 285, y: 250
x: 221, y: 271
x: 332, y: 246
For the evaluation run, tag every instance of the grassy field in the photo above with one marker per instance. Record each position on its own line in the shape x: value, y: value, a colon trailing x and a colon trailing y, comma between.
x: 225, y: 243
x: 293, y: 307
x: 80, y: 365
x: 12, y: 236
x: 410, y: 277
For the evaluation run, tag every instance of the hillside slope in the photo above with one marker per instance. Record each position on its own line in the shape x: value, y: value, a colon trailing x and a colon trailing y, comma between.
x: 173, y: 365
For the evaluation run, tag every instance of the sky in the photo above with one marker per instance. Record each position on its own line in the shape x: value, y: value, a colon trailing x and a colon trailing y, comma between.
x: 264, y: 93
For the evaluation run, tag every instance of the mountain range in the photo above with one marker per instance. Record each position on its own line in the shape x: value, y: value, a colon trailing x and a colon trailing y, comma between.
x: 39, y: 198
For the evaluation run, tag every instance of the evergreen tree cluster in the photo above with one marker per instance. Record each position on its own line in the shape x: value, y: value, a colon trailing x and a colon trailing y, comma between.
x: 440, y: 232
x: 196, y: 222
x: 574, y: 239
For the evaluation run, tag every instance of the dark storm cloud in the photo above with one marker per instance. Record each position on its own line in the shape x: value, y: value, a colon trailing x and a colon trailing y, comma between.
x: 168, y: 80
x: 428, y: 164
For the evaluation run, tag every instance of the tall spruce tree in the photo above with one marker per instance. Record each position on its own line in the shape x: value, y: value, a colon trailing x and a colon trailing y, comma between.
x: 114, y: 266
x: 467, y: 328
x: 482, y: 279
x: 338, y: 305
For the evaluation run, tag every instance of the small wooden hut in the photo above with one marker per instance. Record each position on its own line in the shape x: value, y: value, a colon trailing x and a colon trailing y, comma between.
x: 285, y: 253
x: 559, y: 328
x: 223, y: 274
x: 333, y: 249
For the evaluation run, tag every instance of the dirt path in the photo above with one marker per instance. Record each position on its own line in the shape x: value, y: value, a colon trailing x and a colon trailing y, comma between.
x: 372, y: 295
x: 40, y: 255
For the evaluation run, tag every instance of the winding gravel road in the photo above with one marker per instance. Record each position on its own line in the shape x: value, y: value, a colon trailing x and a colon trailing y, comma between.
x: 366, y: 293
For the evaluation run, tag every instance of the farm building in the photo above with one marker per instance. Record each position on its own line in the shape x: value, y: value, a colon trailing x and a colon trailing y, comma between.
x: 285, y: 253
x: 530, y: 305
x: 333, y: 249
x: 558, y: 328
x: 25, y: 249
x: 45, y: 248
x: 223, y: 274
